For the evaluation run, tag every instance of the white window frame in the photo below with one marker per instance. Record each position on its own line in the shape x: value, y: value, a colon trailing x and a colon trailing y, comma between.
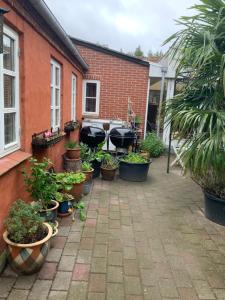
x: 9, y: 148
x: 54, y: 86
x: 97, y: 97
x: 73, y: 97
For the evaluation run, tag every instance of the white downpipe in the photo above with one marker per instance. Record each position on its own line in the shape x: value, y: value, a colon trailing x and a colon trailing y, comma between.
x: 146, y: 111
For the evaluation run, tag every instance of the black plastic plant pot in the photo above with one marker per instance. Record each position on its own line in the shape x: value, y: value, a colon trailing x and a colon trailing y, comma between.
x: 96, y: 165
x: 214, y: 208
x: 133, y: 172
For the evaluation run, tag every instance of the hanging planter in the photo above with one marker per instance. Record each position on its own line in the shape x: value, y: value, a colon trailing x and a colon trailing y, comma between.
x: 45, y: 139
x: 70, y: 126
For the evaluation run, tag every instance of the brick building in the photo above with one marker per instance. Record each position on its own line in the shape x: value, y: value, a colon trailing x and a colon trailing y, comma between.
x: 113, y: 78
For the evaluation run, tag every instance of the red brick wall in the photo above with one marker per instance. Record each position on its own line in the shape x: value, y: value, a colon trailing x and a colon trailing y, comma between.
x: 119, y: 80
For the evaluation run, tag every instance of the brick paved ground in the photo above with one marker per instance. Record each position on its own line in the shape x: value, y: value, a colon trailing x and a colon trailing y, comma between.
x: 140, y: 241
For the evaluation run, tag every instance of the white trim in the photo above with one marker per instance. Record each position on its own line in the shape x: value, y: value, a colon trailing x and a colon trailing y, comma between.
x: 55, y: 87
x: 96, y: 113
x: 15, y: 145
x: 73, y: 97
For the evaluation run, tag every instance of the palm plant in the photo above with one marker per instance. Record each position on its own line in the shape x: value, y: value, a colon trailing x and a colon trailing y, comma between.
x: 197, y: 113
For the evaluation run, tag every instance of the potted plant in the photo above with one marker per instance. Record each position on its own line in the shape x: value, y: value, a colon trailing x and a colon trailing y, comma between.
x: 87, y: 169
x: 152, y: 146
x: 27, y: 238
x: 108, y: 167
x: 72, y: 182
x: 197, y: 113
x: 72, y: 150
x: 65, y: 205
x: 46, y: 138
x: 70, y: 126
x: 43, y: 188
x: 133, y: 167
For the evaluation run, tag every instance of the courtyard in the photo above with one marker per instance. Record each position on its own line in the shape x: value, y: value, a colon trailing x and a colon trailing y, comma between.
x: 140, y: 241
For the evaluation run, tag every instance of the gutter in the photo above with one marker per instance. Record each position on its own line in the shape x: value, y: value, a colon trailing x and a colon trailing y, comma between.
x: 41, y: 7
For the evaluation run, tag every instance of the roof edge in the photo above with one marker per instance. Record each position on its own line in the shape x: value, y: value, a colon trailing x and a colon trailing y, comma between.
x: 109, y: 51
x: 42, y: 8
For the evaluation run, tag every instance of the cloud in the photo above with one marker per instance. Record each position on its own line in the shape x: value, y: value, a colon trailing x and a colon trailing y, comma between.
x: 121, y: 23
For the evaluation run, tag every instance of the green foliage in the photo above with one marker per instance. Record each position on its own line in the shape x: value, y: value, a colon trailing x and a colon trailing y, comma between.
x: 65, y: 181
x: 24, y: 222
x: 134, y: 158
x: 40, y: 183
x: 72, y: 145
x: 65, y: 197
x: 152, y: 144
x: 138, y: 52
x: 197, y: 113
x: 80, y: 206
x: 137, y: 119
x: 109, y: 162
x: 86, y: 166
x: 84, y: 152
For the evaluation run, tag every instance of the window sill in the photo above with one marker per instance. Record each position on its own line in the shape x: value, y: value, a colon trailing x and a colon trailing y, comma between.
x: 12, y: 160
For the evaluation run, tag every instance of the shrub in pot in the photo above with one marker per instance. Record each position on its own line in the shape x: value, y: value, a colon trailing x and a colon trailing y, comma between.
x: 27, y: 238
x: 197, y: 113
x: 133, y: 167
x: 43, y: 188
x: 152, y: 145
x: 72, y: 150
x: 108, y: 167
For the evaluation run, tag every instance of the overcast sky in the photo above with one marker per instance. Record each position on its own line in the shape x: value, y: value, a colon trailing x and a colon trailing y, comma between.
x: 121, y: 24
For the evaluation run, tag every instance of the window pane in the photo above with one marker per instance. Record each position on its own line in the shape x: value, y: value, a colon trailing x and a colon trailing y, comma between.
x: 91, y: 90
x: 52, y: 122
x: 10, y: 128
x: 57, y: 95
x: 52, y: 100
x: 57, y: 117
x: 52, y: 74
x: 56, y: 76
x: 90, y: 105
x: 9, y: 91
x: 8, y: 53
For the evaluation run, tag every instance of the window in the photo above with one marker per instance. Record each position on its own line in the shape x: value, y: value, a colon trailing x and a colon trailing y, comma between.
x: 55, y: 94
x: 74, y: 91
x: 91, y: 96
x: 9, y: 93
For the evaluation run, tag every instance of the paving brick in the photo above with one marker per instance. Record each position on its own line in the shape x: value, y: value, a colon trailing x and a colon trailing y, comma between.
x: 100, y: 250
x: 187, y: 294
x: 182, y: 279
x: 81, y: 272
x: 5, y: 285
x: 98, y: 265
x: 59, y: 242
x: 168, y: 288
x: 54, y: 255
x: 97, y: 283
x: 96, y: 296
x: 129, y: 253
x: 74, y: 237
x: 131, y: 267
x: 87, y: 243
x: 115, y: 274
x: 48, y: 271
x: 64, y: 231
x: 115, y: 258
x: 18, y: 294
x: 40, y: 290
x: 203, y: 290
x: 25, y: 282
x: 61, y: 281
x: 132, y: 285
x: 71, y: 249
x: 84, y: 256
x: 66, y: 263
x: 77, y: 290
x: 115, y: 291
x: 115, y: 245
x: 152, y: 293
x: 57, y: 295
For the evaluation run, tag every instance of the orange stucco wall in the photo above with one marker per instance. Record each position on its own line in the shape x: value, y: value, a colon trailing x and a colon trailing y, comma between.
x: 35, y: 55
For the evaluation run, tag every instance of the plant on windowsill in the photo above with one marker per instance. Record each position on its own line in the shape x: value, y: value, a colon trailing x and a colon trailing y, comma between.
x: 72, y: 150
x: 43, y: 188
x: 46, y: 138
x: 70, y: 126
x: 26, y: 237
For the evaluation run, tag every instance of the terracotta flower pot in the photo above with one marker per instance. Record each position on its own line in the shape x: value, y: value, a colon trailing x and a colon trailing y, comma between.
x: 28, y: 258
x: 73, y: 153
x: 88, y: 174
x: 50, y: 214
x: 77, y: 191
x: 108, y: 174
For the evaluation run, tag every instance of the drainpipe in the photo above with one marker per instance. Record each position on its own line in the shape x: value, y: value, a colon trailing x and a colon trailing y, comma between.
x: 164, y: 71
x: 146, y: 111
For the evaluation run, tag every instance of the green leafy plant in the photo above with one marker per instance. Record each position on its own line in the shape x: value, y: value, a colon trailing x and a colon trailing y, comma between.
x: 197, y: 113
x: 134, y: 158
x: 40, y: 183
x: 72, y: 145
x: 80, y: 206
x: 109, y: 162
x: 86, y: 166
x: 137, y: 119
x: 65, y: 181
x: 152, y: 144
x: 84, y: 152
x: 24, y: 223
x: 65, y: 197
